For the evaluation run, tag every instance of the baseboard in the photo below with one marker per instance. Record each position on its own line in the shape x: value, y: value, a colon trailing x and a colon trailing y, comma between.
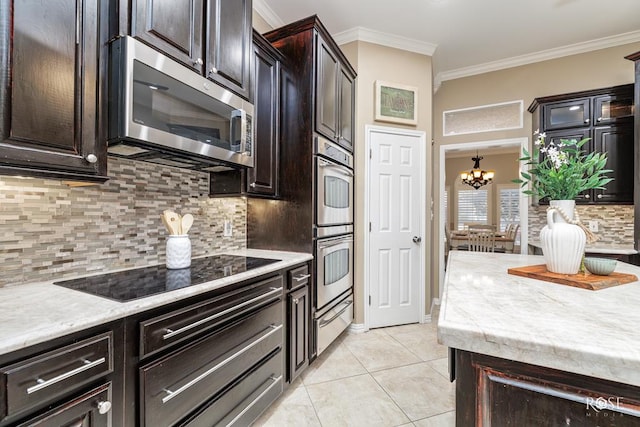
x: 357, y: 328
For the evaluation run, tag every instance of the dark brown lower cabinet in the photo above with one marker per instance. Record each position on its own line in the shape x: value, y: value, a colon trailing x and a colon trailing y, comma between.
x: 69, y: 381
x: 298, y: 303
x: 298, y: 321
x: 218, y: 358
x: 494, y: 392
x: 92, y: 409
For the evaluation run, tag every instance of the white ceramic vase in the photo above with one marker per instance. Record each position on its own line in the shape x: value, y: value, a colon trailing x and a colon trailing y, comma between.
x: 178, y: 251
x: 562, y: 243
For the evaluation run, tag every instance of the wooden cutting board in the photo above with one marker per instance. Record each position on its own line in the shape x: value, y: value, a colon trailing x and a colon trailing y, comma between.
x: 589, y: 281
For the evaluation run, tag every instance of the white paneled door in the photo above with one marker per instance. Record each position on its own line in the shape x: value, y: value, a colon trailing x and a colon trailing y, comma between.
x: 395, y: 238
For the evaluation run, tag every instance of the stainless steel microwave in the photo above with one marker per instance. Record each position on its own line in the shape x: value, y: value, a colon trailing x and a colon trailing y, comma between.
x: 160, y: 111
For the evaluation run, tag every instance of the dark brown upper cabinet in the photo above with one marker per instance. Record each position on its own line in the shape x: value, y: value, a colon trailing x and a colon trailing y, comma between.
x: 174, y: 27
x: 229, y: 43
x: 324, y: 100
x: 617, y: 141
x: 51, y: 85
x: 606, y: 117
x: 211, y: 36
x: 335, y: 96
x: 262, y: 179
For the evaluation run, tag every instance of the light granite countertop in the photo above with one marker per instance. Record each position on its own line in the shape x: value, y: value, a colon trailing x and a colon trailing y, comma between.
x: 599, y: 248
x: 486, y: 310
x: 36, y: 312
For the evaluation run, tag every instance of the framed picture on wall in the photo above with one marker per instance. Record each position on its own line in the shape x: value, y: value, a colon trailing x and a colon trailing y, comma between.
x: 396, y: 103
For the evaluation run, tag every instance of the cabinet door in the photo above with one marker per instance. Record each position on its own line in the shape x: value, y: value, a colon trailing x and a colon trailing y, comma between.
x: 49, y: 89
x: 612, y: 108
x: 567, y: 114
x: 229, y: 43
x: 89, y: 410
x: 298, y: 302
x: 578, y: 134
x: 263, y: 177
x: 172, y: 26
x: 347, y: 112
x: 617, y: 142
x: 326, y: 90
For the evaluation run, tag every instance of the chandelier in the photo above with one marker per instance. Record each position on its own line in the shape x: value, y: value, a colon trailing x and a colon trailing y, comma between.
x: 477, y: 177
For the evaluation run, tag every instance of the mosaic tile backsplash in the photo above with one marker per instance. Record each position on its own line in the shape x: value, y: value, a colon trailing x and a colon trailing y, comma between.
x: 51, y: 230
x: 615, y: 222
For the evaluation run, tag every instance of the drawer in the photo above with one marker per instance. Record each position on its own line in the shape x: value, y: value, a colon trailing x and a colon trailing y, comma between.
x: 331, y: 324
x: 92, y: 408
x: 164, y: 331
x: 298, y: 277
x: 43, y: 378
x: 177, y: 384
x: 247, y: 399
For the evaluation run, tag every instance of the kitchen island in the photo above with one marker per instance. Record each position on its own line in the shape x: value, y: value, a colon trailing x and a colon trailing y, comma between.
x: 533, y: 353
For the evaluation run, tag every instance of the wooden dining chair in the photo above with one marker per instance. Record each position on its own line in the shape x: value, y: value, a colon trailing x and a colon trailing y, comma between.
x: 511, y: 235
x: 482, y: 241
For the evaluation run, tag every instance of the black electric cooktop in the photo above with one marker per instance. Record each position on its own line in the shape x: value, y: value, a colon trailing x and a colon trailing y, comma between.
x: 143, y: 282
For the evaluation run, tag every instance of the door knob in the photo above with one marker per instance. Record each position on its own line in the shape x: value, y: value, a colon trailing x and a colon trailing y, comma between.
x: 417, y: 239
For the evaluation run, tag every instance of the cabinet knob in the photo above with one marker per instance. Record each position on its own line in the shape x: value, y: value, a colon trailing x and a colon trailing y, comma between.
x: 587, y: 120
x: 91, y: 158
x: 599, y: 196
x: 599, y: 119
x: 295, y: 300
x: 104, y: 407
x: 252, y: 185
x: 213, y: 70
x: 198, y: 61
x: 587, y: 196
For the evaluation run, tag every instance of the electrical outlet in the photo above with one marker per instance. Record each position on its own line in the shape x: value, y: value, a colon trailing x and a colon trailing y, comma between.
x: 228, y: 228
x: 593, y: 226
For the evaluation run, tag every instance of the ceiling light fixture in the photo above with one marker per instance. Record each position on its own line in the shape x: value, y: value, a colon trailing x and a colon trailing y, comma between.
x: 477, y: 177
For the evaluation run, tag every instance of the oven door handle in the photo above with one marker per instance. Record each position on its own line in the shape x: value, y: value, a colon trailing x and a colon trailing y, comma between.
x: 327, y: 243
x: 340, y: 169
x: 335, y: 316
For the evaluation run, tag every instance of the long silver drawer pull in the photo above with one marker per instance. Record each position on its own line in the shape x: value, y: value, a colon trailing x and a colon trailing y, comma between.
x: 46, y: 383
x: 256, y: 400
x: 171, y: 333
x: 171, y: 394
x: 301, y: 277
x: 326, y: 322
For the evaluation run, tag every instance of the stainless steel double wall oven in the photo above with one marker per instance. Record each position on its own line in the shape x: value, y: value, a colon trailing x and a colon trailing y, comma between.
x: 333, y: 241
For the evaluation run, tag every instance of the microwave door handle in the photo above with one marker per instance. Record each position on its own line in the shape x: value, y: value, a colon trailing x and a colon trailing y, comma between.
x: 338, y: 168
x: 243, y: 131
x: 235, y: 114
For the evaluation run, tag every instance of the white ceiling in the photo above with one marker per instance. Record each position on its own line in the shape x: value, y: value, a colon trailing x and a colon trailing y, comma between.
x: 467, y: 37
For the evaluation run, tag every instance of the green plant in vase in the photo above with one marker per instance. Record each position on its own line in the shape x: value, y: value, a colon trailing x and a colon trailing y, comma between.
x: 564, y: 171
x: 560, y: 171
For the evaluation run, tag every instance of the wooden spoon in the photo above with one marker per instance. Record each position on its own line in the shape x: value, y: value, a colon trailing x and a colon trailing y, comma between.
x: 173, y: 222
x: 187, y: 222
x: 165, y: 222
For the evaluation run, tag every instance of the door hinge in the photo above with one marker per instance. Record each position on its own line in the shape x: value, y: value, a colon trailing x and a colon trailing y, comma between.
x: 370, y: 227
x: 369, y: 299
x: 370, y: 153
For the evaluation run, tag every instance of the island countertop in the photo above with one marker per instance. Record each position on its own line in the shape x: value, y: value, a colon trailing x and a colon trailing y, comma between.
x: 488, y: 311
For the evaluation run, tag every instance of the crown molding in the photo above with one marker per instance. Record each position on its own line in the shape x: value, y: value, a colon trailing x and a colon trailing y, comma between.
x: 384, y: 39
x: 543, y: 55
x: 271, y: 18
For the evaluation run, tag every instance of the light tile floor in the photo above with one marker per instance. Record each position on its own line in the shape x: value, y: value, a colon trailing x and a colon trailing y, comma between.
x: 386, y: 377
